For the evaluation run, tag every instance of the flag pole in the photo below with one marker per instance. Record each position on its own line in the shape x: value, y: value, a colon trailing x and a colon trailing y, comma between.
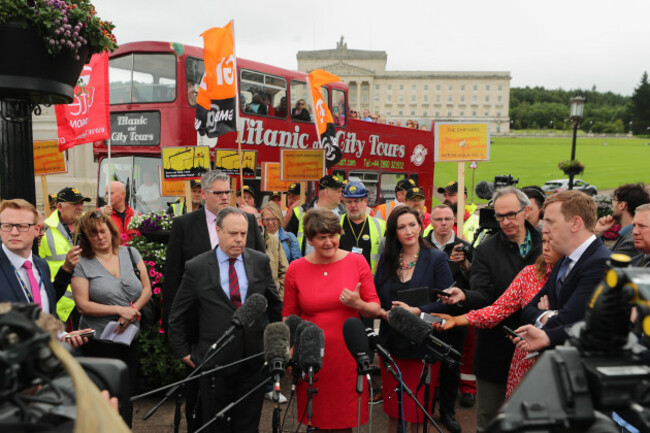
x: 239, y: 152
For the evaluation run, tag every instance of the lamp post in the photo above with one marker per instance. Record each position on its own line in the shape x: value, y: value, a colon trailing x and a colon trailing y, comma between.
x: 577, y: 109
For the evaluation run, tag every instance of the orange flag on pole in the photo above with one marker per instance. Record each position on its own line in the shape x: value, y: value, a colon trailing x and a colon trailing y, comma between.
x: 322, y: 115
x: 216, y: 112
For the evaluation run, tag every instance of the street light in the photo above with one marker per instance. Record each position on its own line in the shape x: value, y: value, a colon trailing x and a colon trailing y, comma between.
x: 577, y: 109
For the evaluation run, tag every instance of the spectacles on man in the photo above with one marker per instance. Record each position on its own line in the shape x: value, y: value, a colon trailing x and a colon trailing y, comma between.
x: 509, y: 215
x: 218, y: 193
x: 23, y: 227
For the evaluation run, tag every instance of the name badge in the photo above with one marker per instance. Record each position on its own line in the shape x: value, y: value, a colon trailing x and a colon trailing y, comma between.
x: 366, y: 237
x: 357, y: 250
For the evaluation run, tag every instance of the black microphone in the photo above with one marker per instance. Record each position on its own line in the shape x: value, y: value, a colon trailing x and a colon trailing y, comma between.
x: 484, y: 190
x: 419, y: 331
x: 276, y: 350
x: 244, y: 317
x: 375, y: 345
x: 312, y: 348
x: 357, y: 341
x: 292, y: 322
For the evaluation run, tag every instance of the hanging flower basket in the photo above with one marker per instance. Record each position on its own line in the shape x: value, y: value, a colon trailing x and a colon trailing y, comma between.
x: 572, y: 167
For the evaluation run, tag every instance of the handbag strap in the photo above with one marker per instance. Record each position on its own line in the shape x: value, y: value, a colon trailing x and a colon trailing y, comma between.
x: 135, y: 267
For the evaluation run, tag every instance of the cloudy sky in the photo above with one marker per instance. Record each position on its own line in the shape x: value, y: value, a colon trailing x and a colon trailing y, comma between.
x: 555, y: 43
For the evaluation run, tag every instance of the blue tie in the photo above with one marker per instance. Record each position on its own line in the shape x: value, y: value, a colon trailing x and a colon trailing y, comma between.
x: 561, y: 276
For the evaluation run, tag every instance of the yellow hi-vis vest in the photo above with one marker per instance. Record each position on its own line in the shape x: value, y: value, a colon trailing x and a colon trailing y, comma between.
x: 178, y: 208
x: 377, y: 230
x: 299, y: 212
x: 53, y: 250
x: 470, y: 226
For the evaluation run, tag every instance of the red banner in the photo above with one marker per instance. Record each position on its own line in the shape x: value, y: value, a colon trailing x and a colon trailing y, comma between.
x: 87, y: 119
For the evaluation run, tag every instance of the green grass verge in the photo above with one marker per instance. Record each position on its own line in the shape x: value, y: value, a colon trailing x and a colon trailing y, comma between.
x: 534, y: 161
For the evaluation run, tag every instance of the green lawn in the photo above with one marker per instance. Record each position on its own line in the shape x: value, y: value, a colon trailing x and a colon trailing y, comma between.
x: 534, y: 161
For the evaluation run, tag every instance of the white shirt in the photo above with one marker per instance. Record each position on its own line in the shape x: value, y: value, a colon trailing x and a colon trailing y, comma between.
x: 17, y: 263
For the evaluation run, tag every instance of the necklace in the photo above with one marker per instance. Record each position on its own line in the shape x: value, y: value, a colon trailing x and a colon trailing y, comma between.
x: 409, y: 265
x: 356, y: 238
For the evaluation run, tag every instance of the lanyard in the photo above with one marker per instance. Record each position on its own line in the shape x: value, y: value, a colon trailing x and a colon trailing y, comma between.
x: 27, y: 291
x: 356, y: 238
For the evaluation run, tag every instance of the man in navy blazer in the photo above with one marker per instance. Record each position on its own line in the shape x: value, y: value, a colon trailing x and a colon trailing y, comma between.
x: 18, y: 229
x: 569, y: 221
x: 641, y: 235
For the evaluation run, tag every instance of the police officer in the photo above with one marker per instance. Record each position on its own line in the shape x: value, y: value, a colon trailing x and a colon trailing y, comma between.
x: 361, y: 232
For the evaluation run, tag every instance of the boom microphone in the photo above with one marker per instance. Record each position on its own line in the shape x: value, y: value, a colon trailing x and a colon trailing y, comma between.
x: 312, y: 348
x: 484, y: 190
x: 419, y: 331
x: 292, y: 322
x: 276, y: 350
x: 244, y: 317
x: 355, y: 338
x: 373, y: 340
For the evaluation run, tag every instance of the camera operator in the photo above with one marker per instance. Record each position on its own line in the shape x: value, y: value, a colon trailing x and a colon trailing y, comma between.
x: 495, y: 263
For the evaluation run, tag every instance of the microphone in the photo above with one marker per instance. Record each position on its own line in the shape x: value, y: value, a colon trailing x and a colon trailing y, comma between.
x: 357, y: 341
x: 244, y: 317
x: 419, y: 331
x: 484, y: 190
x: 276, y: 350
x: 312, y: 348
x: 292, y: 322
x: 375, y: 345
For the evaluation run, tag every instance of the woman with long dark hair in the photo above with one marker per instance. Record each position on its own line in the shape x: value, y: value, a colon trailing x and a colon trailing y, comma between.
x: 408, y: 262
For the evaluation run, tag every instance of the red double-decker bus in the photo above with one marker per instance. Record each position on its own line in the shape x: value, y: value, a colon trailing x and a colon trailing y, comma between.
x: 153, y: 87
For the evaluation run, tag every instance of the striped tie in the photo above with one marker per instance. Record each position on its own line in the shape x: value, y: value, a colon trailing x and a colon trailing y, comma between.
x: 235, y: 297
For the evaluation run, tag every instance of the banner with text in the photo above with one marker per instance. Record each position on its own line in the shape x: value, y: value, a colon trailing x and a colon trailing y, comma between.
x: 323, y: 117
x: 302, y: 165
x: 87, y: 118
x: 462, y: 141
x: 48, y: 159
x: 227, y: 161
x: 272, y: 177
x: 185, y: 162
x: 216, y: 101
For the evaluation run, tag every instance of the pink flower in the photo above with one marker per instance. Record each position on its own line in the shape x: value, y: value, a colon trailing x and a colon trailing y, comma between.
x: 156, y: 290
x: 162, y: 331
x: 152, y: 273
x: 124, y: 236
x: 152, y: 263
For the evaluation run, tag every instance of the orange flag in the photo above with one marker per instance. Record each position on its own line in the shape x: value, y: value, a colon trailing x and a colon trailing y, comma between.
x: 217, y: 97
x: 323, y: 116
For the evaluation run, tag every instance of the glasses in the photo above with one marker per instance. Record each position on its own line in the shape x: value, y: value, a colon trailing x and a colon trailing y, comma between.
x: 218, y: 193
x: 509, y: 215
x: 96, y: 214
x: 301, y: 103
x: 442, y: 219
x: 7, y: 227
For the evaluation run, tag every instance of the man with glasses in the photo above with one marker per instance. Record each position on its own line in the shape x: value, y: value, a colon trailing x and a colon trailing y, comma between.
x: 193, y: 234
x: 470, y: 219
x: 495, y: 263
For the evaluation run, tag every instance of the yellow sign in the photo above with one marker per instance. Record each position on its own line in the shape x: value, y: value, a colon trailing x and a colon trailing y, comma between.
x: 171, y: 188
x: 48, y: 159
x: 271, y: 180
x: 302, y: 165
x: 227, y: 160
x: 462, y: 141
x: 185, y: 162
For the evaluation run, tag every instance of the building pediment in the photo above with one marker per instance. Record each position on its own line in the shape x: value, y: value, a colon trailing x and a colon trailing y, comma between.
x: 346, y: 69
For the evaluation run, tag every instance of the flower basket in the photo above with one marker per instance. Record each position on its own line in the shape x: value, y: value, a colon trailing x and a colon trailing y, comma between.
x: 28, y: 71
x: 571, y: 167
x: 159, y: 236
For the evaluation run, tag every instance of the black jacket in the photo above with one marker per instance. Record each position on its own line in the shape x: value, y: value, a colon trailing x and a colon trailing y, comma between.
x: 496, y: 262
x: 461, y: 279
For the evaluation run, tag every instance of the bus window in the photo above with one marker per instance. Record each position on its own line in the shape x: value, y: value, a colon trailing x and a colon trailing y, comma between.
x: 300, y: 102
x: 193, y: 72
x: 370, y: 180
x: 121, y: 169
x: 388, y: 183
x: 141, y: 78
x: 262, y: 94
x: 339, y: 110
x: 146, y: 185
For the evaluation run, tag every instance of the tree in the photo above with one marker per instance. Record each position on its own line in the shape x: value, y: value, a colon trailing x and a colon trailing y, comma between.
x: 640, y: 107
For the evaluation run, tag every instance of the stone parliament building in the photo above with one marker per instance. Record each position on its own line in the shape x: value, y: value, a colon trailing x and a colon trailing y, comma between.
x: 424, y: 96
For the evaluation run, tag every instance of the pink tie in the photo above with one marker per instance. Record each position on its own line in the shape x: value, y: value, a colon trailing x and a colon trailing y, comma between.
x: 36, y: 291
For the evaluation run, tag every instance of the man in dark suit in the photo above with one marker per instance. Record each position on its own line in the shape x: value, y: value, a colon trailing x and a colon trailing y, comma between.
x: 191, y: 235
x: 641, y: 233
x: 214, y: 285
x: 569, y: 221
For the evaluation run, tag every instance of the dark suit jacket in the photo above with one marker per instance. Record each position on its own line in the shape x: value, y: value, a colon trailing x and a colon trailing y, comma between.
x: 10, y: 289
x: 637, y: 260
x: 201, y: 293
x: 189, y: 238
x: 578, y: 287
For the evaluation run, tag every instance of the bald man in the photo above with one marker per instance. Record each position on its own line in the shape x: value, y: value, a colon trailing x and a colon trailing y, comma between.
x: 120, y: 212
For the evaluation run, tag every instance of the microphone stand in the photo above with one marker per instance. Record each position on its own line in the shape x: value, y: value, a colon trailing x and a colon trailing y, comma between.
x: 223, y: 411
x: 426, y: 378
x: 310, y: 393
x: 397, y: 377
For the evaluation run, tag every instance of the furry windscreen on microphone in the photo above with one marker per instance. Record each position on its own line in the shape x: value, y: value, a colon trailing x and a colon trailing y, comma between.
x: 276, y: 342
x: 484, y: 190
x: 292, y: 322
x: 409, y: 325
x: 312, y: 346
x: 250, y: 311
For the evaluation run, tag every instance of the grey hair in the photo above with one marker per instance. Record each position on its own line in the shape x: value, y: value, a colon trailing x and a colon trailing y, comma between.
x: 229, y: 210
x: 211, y: 176
x: 642, y: 207
x: 521, y: 196
x: 443, y: 206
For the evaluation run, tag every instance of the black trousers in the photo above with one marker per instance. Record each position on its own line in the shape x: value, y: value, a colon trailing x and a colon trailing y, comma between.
x: 450, y: 375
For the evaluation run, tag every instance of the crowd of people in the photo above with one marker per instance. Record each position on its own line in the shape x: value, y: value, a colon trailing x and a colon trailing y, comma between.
x: 325, y: 261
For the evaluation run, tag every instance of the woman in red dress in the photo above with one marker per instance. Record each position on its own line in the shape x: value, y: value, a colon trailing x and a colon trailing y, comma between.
x: 520, y: 292
x: 326, y: 287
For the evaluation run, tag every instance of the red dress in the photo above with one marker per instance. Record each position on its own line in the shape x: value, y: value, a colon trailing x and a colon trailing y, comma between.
x: 312, y: 292
x: 520, y: 292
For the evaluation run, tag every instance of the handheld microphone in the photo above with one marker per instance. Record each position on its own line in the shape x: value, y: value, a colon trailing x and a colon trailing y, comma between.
x: 375, y: 345
x: 244, y: 317
x: 292, y: 322
x: 419, y: 331
x: 484, y: 190
x: 276, y: 350
x: 357, y: 341
x: 312, y: 348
